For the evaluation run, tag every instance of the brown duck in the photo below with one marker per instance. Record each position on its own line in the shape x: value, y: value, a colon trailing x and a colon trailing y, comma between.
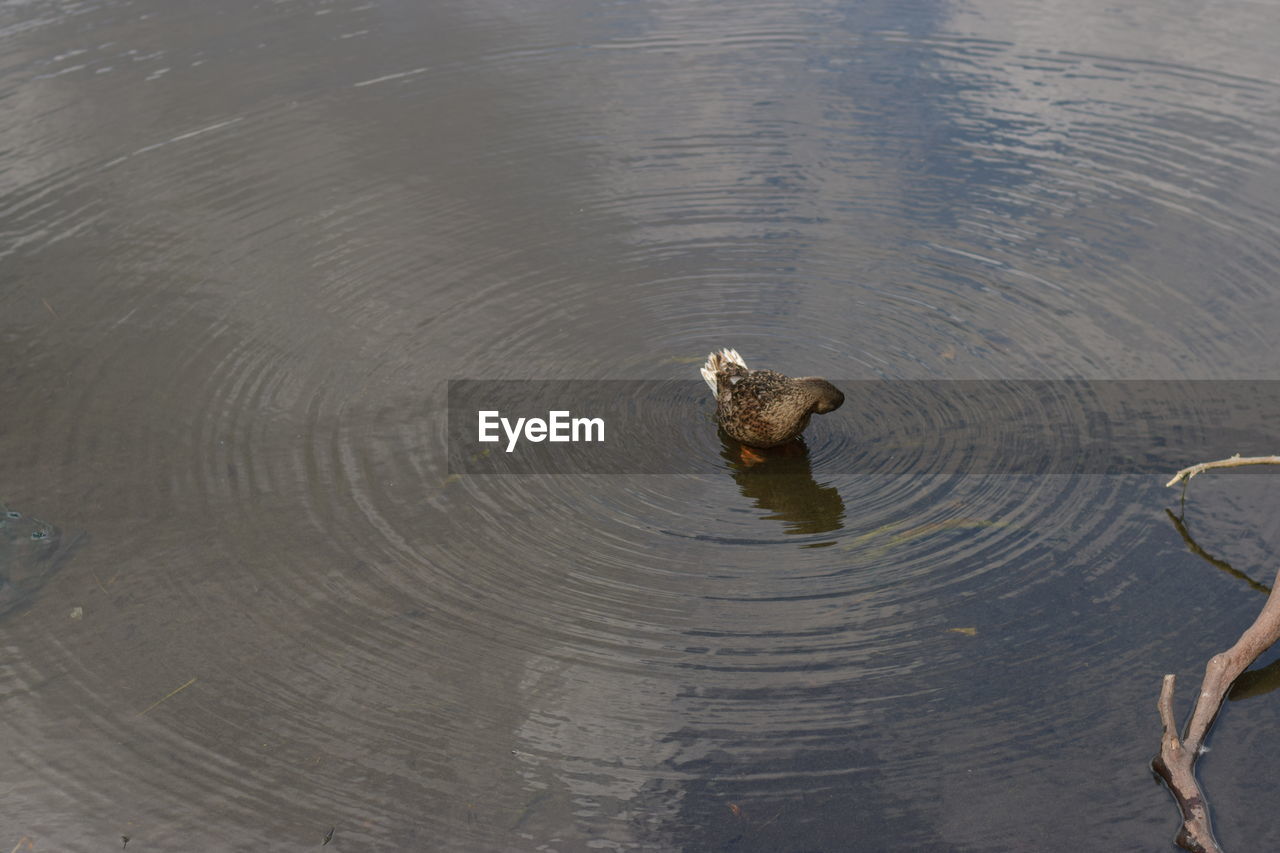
x: 763, y: 408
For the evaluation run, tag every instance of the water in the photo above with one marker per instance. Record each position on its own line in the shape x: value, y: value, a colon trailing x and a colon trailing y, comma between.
x: 246, y: 246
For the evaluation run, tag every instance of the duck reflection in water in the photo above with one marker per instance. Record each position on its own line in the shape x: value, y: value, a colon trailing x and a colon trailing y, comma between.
x: 780, y: 481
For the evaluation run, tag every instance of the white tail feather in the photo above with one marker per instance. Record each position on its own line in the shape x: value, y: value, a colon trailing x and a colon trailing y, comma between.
x: 710, y: 379
x: 715, y: 362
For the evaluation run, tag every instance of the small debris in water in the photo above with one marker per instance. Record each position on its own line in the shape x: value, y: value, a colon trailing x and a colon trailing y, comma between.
x: 167, y: 696
x: 77, y: 613
x: 125, y: 839
x: 328, y: 836
x: 968, y: 632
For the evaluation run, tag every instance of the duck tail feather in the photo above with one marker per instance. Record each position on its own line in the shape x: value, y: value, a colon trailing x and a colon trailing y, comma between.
x: 716, y: 362
x: 710, y: 377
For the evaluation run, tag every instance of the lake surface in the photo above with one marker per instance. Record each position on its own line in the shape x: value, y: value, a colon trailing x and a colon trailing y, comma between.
x: 245, y: 247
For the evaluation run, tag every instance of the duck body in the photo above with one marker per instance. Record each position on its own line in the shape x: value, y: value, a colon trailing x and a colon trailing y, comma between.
x: 764, y: 408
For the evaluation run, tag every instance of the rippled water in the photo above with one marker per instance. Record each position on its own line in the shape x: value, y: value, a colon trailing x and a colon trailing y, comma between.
x: 245, y: 246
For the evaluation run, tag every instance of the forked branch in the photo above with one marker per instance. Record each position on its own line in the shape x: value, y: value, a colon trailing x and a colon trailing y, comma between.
x: 1177, y: 758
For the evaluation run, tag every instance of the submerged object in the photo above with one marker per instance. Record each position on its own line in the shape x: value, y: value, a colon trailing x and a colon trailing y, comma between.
x: 31, y: 551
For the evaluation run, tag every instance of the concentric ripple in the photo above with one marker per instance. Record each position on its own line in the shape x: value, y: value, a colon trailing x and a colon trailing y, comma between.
x: 248, y: 248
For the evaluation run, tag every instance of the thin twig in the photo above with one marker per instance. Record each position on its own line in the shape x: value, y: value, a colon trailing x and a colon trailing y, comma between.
x: 98, y: 580
x: 1231, y: 462
x: 166, y: 697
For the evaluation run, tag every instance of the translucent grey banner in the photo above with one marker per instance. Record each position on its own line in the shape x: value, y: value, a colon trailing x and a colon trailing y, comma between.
x: 884, y: 427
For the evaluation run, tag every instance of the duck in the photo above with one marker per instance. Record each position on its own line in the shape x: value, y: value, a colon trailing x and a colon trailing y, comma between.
x: 764, y: 408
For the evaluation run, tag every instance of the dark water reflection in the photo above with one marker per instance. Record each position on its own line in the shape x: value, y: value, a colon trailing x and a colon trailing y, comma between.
x: 245, y: 246
x: 780, y: 481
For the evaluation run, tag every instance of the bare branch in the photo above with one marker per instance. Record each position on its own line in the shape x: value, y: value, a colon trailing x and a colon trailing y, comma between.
x: 1177, y: 758
x: 1176, y: 765
x: 1231, y: 462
